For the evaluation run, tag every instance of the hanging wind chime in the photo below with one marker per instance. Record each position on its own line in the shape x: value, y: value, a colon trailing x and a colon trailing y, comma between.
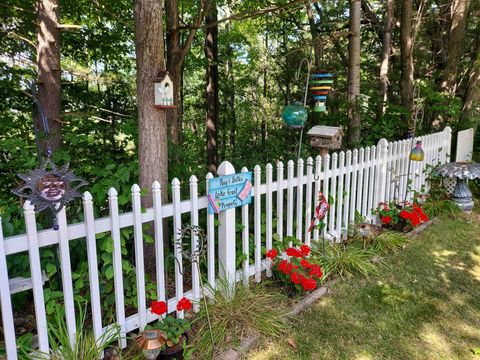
x: 47, y: 187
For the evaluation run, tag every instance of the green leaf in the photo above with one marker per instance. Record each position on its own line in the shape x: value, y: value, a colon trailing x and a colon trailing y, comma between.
x: 109, y: 273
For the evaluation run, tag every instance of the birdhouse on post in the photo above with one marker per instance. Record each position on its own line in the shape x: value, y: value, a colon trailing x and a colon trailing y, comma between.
x: 326, y: 138
x: 164, y: 91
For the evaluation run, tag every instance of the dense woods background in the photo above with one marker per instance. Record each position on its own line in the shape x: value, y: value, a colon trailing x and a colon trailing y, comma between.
x: 234, y: 67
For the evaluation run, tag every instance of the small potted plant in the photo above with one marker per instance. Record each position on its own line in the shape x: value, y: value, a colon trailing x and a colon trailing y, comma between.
x: 174, y: 329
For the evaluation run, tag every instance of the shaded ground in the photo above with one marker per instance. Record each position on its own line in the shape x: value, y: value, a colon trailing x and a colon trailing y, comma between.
x: 423, y: 304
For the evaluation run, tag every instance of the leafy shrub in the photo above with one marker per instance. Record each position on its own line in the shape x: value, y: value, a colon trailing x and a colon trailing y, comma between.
x: 442, y: 208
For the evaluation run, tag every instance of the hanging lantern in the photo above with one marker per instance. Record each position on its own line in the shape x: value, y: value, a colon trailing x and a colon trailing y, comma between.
x: 294, y: 116
x: 320, y: 85
x: 417, y: 153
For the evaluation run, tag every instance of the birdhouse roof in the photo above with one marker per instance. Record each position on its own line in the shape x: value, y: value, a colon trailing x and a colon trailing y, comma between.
x: 325, y: 131
x: 162, y: 75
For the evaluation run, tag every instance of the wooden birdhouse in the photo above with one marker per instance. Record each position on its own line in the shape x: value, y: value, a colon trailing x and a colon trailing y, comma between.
x: 164, y: 91
x: 325, y: 138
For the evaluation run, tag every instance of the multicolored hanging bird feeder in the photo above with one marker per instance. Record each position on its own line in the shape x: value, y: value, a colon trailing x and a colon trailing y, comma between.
x: 320, y: 85
x: 294, y: 116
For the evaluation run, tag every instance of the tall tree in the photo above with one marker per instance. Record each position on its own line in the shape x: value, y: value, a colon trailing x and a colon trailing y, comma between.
x: 49, y: 70
x: 385, y: 60
x: 455, y: 49
x: 406, y: 56
x: 472, y: 92
x: 152, y: 126
x: 354, y: 71
x: 176, y: 53
x: 211, y: 54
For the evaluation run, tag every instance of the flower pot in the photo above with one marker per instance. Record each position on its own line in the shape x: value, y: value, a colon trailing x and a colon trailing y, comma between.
x: 174, y: 352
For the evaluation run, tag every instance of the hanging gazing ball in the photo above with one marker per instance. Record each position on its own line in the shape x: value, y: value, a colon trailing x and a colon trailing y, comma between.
x: 295, y: 116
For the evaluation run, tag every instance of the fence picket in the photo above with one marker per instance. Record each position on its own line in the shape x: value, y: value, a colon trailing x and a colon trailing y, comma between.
x: 194, y: 222
x: 346, y: 206
x: 257, y: 172
x: 326, y: 177
x: 299, y: 210
x: 245, y: 241
x: 117, y: 264
x: 210, y: 241
x: 360, y: 183
x: 333, y: 196
x: 139, y: 258
x: 6, y: 304
x: 290, y: 190
x: 158, y: 233
x: 372, y: 175
x: 353, y: 186
x: 308, y: 199
x: 279, y: 204
x: 341, y: 172
x: 318, y: 170
x: 92, y: 265
x: 36, y: 274
x: 268, y: 210
x: 177, y: 246
x: 366, y: 177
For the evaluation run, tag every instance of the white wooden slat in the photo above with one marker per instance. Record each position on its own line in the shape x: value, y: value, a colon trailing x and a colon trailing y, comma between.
x: 333, y: 195
x: 448, y: 143
x: 257, y: 173
x: 397, y: 168
x: 210, y: 241
x: 340, y: 195
x: 318, y: 170
x: 117, y: 265
x: 269, y: 211
x: 353, y: 186
x: 67, y: 282
x: 403, y: 168
x: 92, y: 265
x: 308, y: 200
x: 348, y: 175
x: 194, y: 222
x: 6, y: 304
x: 371, y: 183
x: 290, y: 190
x: 245, y: 242
x: 389, y: 173
x: 139, y: 258
x: 280, y: 188
x: 326, y: 177
x: 158, y: 234
x: 299, y: 210
x: 366, y: 178
x: 36, y: 274
x: 379, y: 191
x: 177, y: 247
x: 360, y: 183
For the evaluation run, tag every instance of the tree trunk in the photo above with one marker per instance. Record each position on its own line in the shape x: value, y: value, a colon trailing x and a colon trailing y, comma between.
x: 316, y: 40
x: 211, y: 54
x: 49, y: 71
x: 406, y: 56
x: 385, y: 65
x: 152, y: 126
x: 354, y: 72
x: 459, y: 9
x: 231, y: 96
x: 472, y: 92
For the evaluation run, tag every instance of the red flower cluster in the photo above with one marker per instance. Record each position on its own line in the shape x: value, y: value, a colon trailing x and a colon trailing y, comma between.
x: 184, y: 304
x: 271, y: 254
x: 415, y: 217
x: 158, y: 307
x: 386, y: 219
x: 298, y: 270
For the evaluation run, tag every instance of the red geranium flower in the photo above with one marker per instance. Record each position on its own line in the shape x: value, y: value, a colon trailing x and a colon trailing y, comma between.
x: 296, y: 278
x: 271, y: 254
x: 158, y: 307
x: 404, y: 214
x: 424, y: 217
x: 309, y: 284
x: 305, y: 249
x: 285, y: 267
x: 305, y: 264
x: 316, y: 271
x: 293, y: 252
x: 184, y: 304
x: 386, y: 219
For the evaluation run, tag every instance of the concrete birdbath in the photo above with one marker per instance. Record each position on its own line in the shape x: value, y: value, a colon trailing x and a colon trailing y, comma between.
x: 462, y: 171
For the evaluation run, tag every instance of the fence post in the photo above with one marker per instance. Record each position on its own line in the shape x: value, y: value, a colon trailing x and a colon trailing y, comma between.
x: 448, y: 143
x: 226, y: 234
x: 382, y: 150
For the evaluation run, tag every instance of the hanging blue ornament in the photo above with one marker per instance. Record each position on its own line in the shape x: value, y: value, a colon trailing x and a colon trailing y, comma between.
x: 294, y: 116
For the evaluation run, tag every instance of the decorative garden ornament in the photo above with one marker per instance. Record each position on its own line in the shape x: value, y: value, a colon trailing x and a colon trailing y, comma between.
x: 164, y: 95
x: 417, y: 153
x: 151, y: 342
x: 295, y: 116
x: 320, y: 85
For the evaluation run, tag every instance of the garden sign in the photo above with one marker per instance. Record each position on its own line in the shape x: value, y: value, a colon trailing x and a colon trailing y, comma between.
x: 228, y: 192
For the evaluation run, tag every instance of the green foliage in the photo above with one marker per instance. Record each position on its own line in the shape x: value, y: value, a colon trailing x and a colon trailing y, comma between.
x: 388, y: 241
x: 441, y: 208
x: 236, y: 312
x: 174, y: 328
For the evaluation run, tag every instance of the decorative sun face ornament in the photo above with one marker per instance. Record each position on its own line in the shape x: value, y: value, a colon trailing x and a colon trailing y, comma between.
x: 49, y: 187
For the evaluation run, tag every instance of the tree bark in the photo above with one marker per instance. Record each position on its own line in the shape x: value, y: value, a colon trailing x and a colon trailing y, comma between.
x: 472, y: 92
x: 406, y: 56
x: 316, y: 40
x: 231, y: 95
x: 354, y: 72
x: 211, y: 54
x: 49, y: 70
x: 459, y: 9
x: 385, y: 63
x: 152, y: 126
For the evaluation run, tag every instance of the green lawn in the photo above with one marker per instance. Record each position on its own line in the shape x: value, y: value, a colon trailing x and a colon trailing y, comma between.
x: 423, y: 304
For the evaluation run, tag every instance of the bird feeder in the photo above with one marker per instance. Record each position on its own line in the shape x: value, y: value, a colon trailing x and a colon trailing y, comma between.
x: 320, y: 85
x: 326, y: 138
x: 163, y: 85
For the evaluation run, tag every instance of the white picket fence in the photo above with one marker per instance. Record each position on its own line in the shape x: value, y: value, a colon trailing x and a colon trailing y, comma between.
x: 357, y: 181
